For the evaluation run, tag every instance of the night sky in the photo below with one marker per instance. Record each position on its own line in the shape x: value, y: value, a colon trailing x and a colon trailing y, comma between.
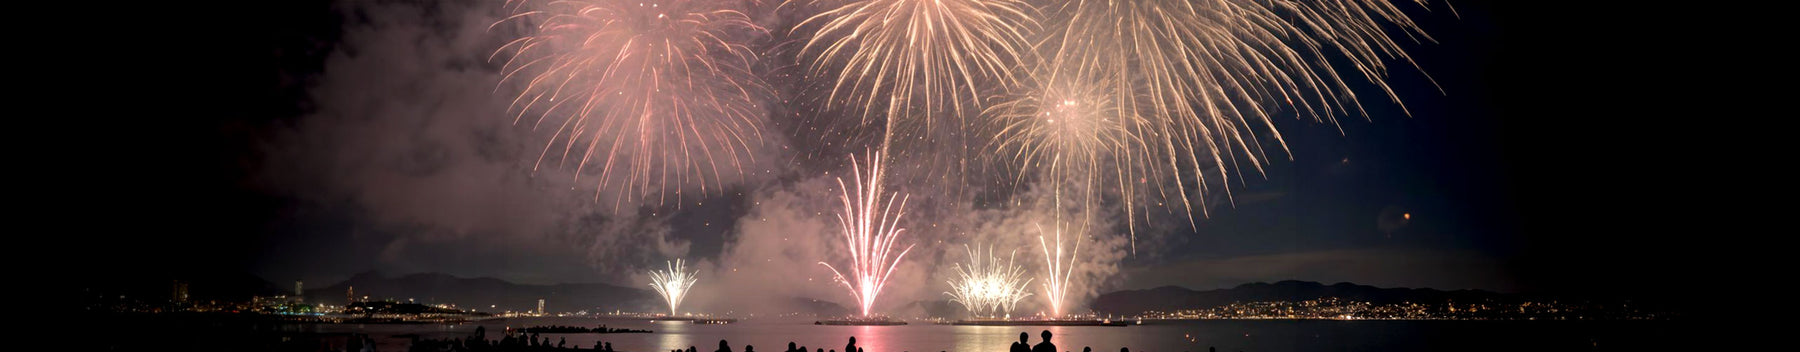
x: 320, y: 140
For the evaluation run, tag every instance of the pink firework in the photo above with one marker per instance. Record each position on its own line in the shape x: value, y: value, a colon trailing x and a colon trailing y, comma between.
x: 870, y: 228
x: 655, y: 94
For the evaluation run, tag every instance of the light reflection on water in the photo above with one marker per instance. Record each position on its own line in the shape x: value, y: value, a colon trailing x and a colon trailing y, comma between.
x: 668, y: 333
x: 772, y: 335
x: 768, y: 335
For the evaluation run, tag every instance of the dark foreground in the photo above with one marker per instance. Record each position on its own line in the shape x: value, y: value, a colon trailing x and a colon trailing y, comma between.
x: 190, y: 332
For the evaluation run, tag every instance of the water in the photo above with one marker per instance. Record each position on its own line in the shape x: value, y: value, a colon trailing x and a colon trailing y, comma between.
x: 772, y: 335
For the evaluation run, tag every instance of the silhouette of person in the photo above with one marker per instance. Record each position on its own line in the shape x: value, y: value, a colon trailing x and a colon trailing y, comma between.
x: 790, y: 346
x: 851, y: 347
x: 1045, y: 346
x: 1022, y: 345
x: 1123, y: 349
x: 723, y: 346
x: 749, y: 348
x: 1086, y: 349
x: 691, y: 349
x: 609, y: 347
x: 562, y: 341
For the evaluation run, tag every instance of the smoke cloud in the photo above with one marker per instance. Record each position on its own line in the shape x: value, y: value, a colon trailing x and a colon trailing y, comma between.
x: 411, y: 135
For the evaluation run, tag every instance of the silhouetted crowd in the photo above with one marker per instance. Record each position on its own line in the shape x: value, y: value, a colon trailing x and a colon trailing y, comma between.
x: 726, y: 347
x: 480, y: 343
x: 1024, y: 344
x: 360, y: 343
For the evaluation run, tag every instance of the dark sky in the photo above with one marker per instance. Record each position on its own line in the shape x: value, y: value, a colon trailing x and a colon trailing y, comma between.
x: 326, y: 139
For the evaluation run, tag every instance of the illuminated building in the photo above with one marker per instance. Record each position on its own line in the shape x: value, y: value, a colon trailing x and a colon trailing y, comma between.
x: 179, y: 292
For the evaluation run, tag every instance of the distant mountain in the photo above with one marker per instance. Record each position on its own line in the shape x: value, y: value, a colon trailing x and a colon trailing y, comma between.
x: 937, y: 308
x: 818, y: 307
x: 1169, y: 298
x: 488, y: 294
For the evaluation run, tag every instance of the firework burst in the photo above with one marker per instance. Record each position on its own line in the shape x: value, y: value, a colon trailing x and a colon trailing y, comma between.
x: 912, y: 58
x: 650, y: 92
x: 1176, y: 94
x: 1068, y: 130
x: 987, y: 287
x: 1056, y: 287
x: 673, y: 284
x: 870, y: 228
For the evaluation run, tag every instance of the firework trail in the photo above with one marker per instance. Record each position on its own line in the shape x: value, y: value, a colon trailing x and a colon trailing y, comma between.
x: 870, y: 228
x: 673, y: 284
x: 896, y: 56
x: 650, y: 92
x: 1057, y: 286
x: 986, y: 287
x: 1159, y: 92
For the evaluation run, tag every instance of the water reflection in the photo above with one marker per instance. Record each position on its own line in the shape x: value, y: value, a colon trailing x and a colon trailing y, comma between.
x: 772, y: 335
x: 871, y: 338
x: 672, y: 335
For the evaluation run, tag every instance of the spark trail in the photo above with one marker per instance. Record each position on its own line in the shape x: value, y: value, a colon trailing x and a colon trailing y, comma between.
x: 909, y: 59
x: 673, y: 284
x: 870, y: 228
x: 656, y: 94
x: 1056, y: 288
x: 1178, y: 97
x: 987, y: 287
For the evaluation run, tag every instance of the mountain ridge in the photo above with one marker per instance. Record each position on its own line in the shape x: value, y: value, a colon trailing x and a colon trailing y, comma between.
x: 1171, y: 298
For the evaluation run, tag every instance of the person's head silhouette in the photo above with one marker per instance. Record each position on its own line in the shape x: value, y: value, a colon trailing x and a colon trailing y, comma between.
x: 791, y: 346
x: 1046, y: 335
x: 1024, y: 337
